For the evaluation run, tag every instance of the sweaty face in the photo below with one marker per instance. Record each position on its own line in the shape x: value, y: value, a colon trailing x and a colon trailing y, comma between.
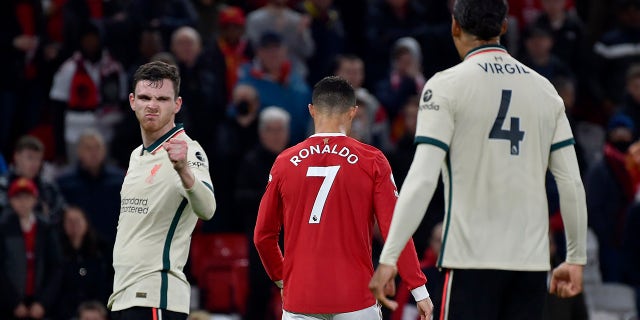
x: 155, y: 105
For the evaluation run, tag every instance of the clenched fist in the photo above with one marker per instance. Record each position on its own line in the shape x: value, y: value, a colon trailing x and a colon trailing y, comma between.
x: 177, y: 153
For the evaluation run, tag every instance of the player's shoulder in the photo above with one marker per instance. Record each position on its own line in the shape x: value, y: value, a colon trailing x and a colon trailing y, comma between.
x: 136, y: 152
x: 367, y: 153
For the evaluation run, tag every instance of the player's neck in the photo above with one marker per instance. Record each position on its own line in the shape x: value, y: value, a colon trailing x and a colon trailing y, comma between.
x: 472, y: 43
x: 331, y: 126
x: 149, y: 137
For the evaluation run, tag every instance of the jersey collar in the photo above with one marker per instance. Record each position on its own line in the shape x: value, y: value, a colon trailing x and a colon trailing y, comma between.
x: 179, y: 128
x: 328, y: 134
x: 484, y: 49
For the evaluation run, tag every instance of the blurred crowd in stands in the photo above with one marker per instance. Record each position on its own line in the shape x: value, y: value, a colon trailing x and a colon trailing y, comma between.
x: 247, y: 68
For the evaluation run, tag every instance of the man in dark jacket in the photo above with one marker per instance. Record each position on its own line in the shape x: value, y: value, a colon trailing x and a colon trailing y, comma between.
x: 273, y: 131
x: 29, y: 255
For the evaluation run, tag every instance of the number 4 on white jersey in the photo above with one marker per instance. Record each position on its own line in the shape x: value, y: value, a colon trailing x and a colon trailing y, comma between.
x: 329, y: 174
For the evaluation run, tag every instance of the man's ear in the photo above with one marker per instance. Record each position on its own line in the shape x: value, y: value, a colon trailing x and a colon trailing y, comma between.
x: 312, y: 110
x: 178, y: 104
x: 352, y: 112
x: 456, y: 30
x: 504, y: 27
x: 131, y: 98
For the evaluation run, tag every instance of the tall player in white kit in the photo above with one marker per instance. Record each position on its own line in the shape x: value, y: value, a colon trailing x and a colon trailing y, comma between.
x: 166, y: 189
x: 493, y: 127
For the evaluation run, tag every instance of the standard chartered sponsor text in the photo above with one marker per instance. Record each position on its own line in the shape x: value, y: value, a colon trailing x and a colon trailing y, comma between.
x: 134, y: 205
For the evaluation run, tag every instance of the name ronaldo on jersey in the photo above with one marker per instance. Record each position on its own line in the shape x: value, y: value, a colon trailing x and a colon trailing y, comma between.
x: 326, y: 149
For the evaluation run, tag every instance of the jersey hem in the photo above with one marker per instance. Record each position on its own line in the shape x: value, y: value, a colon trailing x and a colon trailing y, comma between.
x: 532, y: 268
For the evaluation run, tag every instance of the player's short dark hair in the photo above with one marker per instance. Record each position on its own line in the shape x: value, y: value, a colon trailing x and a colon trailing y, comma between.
x: 29, y: 143
x: 333, y: 94
x: 156, y: 71
x: 482, y: 18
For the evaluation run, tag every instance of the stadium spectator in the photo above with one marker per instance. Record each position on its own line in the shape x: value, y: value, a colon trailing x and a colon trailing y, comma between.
x: 631, y: 102
x: 328, y: 36
x: 149, y: 45
x: 277, y: 17
x: 496, y: 225
x: 405, y: 76
x: 273, y: 129
x: 630, y: 238
x: 569, y: 38
x: 94, y: 185
x: 85, y: 269
x: 325, y: 186
x: 92, y: 310
x: 207, y: 25
x: 3, y: 165
x: 23, y: 93
x: 351, y: 68
x: 612, y: 58
x: 611, y: 189
x: 165, y: 16
x: 88, y: 90
x: 30, y: 271
x: 28, y: 163
x: 237, y: 135
x: 538, y: 55
x: 387, y: 21
x: 400, y: 160
x: 278, y: 82
x: 230, y: 47
x: 201, y: 88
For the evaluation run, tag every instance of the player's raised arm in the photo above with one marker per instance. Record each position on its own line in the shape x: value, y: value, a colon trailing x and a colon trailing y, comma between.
x: 197, y: 185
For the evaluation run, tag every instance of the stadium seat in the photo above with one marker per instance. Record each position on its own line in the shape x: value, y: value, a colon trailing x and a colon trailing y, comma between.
x: 612, y: 299
x: 592, y: 274
x: 219, y: 264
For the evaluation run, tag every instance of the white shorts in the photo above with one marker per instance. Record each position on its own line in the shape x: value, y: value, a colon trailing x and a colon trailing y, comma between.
x: 372, y: 313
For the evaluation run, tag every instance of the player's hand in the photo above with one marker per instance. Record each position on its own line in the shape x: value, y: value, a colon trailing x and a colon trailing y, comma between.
x: 177, y: 153
x: 425, y: 309
x: 379, y: 285
x: 566, y: 280
x: 36, y: 311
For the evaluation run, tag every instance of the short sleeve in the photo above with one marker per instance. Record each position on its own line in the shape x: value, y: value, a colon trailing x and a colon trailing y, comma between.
x: 435, y: 115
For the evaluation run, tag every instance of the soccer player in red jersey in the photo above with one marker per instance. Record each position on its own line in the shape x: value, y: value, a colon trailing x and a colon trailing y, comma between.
x: 328, y: 192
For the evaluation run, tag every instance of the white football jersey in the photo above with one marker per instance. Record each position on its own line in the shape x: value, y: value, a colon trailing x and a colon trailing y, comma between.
x: 498, y: 121
x: 154, y: 228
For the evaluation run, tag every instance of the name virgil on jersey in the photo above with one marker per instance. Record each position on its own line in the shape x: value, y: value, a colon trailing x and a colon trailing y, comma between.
x: 327, y: 149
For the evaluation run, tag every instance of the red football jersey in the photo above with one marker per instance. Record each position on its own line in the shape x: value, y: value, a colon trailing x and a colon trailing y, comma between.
x: 328, y: 191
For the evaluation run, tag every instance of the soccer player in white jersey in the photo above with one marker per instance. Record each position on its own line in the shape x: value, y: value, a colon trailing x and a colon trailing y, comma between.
x: 166, y: 189
x: 494, y: 126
